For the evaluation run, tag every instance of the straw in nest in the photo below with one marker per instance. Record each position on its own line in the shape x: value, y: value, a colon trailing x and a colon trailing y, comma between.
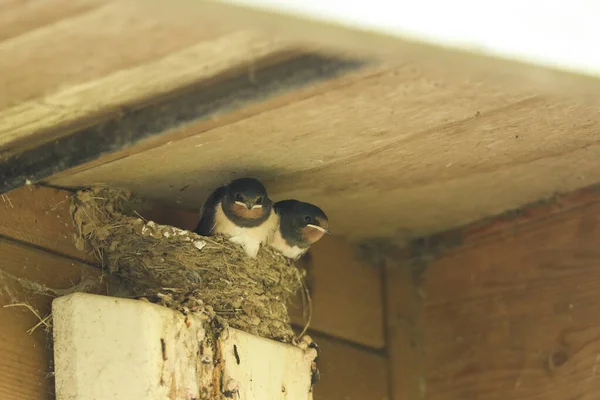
x: 185, y: 271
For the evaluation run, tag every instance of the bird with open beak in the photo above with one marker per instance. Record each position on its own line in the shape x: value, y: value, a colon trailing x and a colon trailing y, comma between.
x: 300, y: 225
x: 241, y: 211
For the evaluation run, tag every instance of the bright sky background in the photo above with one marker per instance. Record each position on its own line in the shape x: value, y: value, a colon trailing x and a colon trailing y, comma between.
x: 557, y: 33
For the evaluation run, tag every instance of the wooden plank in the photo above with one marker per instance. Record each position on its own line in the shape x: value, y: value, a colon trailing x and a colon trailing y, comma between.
x: 366, y: 110
x: 25, y: 362
x: 349, y: 372
x: 322, y: 83
x: 68, y: 87
x: 466, y: 150
x: 107, y: 96
x: 210, y: 98
x: 336, y: 276
x: 57, y: 55
x: 75, y: 91
x: 513, y: 312
x: 406, y: 346
x: 20, y: 16
x: 40, y: 216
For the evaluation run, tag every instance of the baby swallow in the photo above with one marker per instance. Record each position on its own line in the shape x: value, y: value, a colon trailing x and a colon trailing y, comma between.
x: 242, y: 211
x: 300, y: 225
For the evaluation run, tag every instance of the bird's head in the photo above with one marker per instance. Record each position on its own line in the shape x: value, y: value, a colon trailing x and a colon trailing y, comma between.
x: 247, y: 198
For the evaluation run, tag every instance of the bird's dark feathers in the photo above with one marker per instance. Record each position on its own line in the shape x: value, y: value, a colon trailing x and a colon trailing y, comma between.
x: 292, y: 215
x: 249, y: 187
x: 285, y: 206
x: 207, y: 221
x: 298, y: 208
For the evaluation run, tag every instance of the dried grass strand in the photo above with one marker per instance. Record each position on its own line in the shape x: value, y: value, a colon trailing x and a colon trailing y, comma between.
x: 42, y: 321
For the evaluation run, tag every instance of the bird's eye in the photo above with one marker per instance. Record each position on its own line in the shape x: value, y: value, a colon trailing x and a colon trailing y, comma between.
x: 308, y: 219
x: 239, y: 197
x: 259, y: 200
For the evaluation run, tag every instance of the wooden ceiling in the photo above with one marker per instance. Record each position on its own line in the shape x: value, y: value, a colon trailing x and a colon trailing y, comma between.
x: 385, y: 147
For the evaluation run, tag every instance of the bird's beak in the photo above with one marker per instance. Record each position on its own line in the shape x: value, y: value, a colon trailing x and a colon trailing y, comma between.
x: 319, y: 228
x: 249, y: 205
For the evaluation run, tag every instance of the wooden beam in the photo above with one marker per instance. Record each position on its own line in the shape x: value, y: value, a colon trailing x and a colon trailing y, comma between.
x: 76, y: 105
x: 52, y: 56
x: 33, y: 122
x: 405, y: 303
x: 401, y: 149
x: 220, y: 94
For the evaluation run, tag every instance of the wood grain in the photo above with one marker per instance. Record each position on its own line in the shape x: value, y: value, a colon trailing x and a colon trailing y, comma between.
x: 25, y: 365
x: 346, y: 294
x: 229, y: 90
x: 406, y: 346
x: 105, y: 96
x: 40, y: 216
x: 400, y: 150
x: 136, y: 54
x: 348, y: 372
x: 235, y: 112
x: 21, y: 16
x: 514, y: 313
x: 59, y: 55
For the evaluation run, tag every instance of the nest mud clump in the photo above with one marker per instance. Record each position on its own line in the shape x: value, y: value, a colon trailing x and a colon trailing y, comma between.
x: 185, y: 271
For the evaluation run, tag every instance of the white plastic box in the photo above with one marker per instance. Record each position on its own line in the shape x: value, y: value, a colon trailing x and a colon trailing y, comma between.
x: 109, y: 348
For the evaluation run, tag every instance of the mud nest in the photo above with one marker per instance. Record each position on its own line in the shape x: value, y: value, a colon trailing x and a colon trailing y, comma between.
x: 185, y: 271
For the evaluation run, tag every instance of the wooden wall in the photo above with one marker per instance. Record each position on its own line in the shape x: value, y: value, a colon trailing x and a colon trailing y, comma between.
x: 508, y: 310
x: 505, y: 308
x: 25, y: 372
x: 36, y: 243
